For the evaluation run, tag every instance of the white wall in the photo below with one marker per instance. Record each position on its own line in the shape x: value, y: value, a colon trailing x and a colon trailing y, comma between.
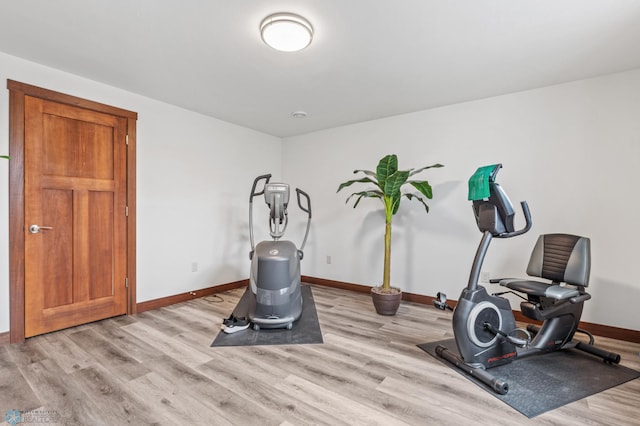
x: 194, y: 178
x: 572, y: 151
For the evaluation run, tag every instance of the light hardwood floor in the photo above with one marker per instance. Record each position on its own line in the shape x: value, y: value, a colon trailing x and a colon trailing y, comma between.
x: 158, y: 368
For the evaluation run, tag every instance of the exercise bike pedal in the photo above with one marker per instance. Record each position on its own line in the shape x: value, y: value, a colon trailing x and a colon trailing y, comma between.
x: 533, y: 329
x: 440, y: 302
x: 519, y: 342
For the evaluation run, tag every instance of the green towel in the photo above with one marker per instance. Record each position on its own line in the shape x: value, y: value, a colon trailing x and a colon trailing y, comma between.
x: 479, y: 182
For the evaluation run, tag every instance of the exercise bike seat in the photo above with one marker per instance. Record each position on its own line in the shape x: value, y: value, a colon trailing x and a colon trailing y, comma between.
x: 537, y: 288
x: 563, y: 259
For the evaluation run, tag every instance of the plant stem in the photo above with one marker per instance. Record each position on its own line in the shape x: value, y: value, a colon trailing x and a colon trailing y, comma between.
x: 386, y: 280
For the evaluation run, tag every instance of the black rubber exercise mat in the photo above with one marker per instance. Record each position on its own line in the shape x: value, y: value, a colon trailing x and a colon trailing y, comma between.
x: 304, y: 331
x: 540, y: 383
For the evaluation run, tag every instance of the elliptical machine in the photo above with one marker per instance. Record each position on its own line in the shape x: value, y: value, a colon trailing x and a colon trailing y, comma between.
x: 276, y: 295
x: 484, y: 325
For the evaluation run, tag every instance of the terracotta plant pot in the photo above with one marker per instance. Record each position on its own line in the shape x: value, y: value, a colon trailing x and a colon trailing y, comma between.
x: 386, y: 303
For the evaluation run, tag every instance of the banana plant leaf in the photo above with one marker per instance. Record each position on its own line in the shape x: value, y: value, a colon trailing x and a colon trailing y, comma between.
x: 388, y: 182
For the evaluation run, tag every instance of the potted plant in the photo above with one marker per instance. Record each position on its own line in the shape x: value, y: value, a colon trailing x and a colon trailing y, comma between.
x: 389, y: 183
x: 5, y: 156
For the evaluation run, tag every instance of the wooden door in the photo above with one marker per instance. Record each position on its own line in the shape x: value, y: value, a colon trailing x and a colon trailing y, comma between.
x: 75, y: 229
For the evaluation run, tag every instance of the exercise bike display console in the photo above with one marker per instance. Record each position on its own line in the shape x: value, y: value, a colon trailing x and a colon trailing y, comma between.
x: 484, y: 326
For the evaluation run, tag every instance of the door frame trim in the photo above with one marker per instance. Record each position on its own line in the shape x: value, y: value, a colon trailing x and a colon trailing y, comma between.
x: 17, y: 93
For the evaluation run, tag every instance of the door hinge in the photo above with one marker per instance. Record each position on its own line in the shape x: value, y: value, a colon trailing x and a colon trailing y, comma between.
x: 126, y: 139
x: 126, y: 282
x: 126, y: 211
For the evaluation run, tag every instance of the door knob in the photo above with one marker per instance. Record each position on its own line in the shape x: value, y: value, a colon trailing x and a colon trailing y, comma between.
x: 34, y: 229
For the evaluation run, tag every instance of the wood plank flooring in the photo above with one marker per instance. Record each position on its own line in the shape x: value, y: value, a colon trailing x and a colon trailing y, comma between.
x: 158, y: 368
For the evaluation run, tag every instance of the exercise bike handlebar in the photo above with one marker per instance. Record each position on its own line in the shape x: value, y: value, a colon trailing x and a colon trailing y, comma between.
x: 527, y: 226
x: 478, y: 260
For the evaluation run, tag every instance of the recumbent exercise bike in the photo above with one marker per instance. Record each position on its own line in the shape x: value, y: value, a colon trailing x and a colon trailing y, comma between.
x: 484, y: 325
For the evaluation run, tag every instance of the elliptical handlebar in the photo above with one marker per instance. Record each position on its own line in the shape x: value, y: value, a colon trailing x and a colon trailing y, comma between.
x: 253, y: 194
x: 255, y: 184
x: 307, y: 210
x: 255, y: 191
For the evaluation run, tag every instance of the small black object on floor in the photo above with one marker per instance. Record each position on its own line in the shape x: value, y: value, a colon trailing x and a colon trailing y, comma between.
x: 304, y: 331
x: 540, y: 383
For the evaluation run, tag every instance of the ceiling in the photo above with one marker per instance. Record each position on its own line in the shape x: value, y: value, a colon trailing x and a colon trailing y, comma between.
x: 369, y: 58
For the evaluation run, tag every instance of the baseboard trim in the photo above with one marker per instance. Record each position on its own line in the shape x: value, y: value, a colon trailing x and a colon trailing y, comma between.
x: 617, y: 333
x: 183, y: 297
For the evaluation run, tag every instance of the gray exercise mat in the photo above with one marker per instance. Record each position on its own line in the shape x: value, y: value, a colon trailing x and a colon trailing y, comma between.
x: 304, y: 331
x: 540, y: 383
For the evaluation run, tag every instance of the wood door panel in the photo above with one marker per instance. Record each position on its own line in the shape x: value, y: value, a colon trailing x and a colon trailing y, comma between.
x: 56, y: 249
x: 81, y: 114
x: 75, y: 148
x: 75, y: 182
x: 62, y: 182
x: 100, y: 250
x: 70, y: 315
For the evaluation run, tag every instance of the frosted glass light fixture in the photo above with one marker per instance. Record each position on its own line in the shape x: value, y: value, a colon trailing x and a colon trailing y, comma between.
x: 286, y: 32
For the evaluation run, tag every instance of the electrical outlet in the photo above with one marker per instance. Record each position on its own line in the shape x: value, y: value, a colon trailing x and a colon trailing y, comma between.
x: 328, y: 260
x: 485, y: 277
x: 194, y: 266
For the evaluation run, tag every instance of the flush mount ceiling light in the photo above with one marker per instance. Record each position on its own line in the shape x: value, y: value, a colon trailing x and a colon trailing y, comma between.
x: 286, y: 32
